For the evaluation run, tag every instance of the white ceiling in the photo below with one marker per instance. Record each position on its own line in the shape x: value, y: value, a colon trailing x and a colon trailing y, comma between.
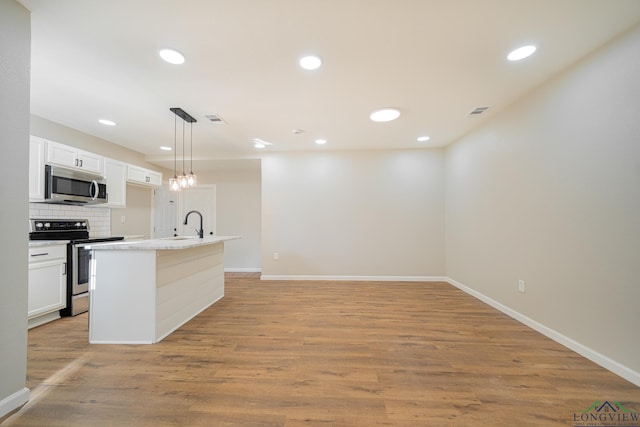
x: 434, y: 60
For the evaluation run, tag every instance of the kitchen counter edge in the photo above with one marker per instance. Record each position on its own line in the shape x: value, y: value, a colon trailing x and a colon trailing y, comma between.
x: 161, y: 244
x: 40, y: 243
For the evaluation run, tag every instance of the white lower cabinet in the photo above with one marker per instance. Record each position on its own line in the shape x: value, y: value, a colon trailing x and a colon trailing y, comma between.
x: 47, y: 283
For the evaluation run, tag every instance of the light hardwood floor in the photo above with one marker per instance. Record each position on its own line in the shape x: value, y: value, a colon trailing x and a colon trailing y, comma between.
x: 318, y: 354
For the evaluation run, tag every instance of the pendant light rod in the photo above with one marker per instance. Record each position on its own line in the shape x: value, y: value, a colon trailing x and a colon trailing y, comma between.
x: 191, y: 141
x: 183, y: 149
x: 175, y: 146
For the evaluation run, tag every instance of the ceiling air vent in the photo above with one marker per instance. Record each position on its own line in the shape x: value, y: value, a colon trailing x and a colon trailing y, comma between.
x: 477, y: 111
x: 214, y: 118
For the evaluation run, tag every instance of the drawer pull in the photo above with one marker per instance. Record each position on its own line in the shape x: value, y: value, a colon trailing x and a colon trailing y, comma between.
x: 46, y: 253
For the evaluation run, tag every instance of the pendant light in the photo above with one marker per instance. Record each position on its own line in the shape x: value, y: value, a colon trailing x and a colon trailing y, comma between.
x: 174, y: 183
x: 183, y: 177
x: 192, y: 179
x: 183, y: 181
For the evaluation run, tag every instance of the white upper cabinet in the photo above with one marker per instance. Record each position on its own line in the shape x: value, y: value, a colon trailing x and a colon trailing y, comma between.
x: 36, y: 169
x: 142, y: 176
x: 115, y: 173
x: 74, y: 158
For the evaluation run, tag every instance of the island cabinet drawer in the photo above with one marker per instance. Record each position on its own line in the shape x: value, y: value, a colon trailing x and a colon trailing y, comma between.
x: 47, y: 253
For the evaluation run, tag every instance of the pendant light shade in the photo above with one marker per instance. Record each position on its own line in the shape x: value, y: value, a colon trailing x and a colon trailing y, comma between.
x: 184, y: 180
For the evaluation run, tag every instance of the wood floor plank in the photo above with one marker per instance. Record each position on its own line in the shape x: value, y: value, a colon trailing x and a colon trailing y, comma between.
x: 289, y: 354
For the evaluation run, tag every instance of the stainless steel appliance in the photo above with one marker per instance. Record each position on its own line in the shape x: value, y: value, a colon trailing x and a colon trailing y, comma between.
x: 70, y: 187
x: 78, y: 257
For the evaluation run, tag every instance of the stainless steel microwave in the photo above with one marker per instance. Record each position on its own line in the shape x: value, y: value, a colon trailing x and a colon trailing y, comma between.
x: 70, y: 187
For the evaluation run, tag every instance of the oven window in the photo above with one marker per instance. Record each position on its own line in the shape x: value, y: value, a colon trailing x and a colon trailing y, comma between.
x: 84, y: 256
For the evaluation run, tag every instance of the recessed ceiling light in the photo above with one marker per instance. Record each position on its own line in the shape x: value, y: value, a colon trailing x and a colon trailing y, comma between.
x: 385, y: 115
x: 165, y: 148
x: 107, y: 122
x: 172, y: 56
x: 310, y: 62
x: 423, y: 138
x: 260, y: 143
x: 321, y: 141
x: 521, y: 53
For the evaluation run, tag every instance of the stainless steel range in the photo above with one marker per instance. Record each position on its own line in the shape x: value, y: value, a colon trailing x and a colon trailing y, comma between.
x: 78, y: 258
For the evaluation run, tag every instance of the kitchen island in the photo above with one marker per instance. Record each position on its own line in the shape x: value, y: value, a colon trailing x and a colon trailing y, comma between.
x: 142, y: 291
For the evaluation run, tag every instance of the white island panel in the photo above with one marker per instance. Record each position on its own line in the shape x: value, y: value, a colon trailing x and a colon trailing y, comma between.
x: 122, y: 297
x: 188, y: 282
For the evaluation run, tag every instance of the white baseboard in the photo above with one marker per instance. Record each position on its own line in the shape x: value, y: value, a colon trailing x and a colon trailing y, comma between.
x: 41, y: 320
x: 600, y: 359
x: 242, y: 270
x: 356, y: 278
x: 14, y: 401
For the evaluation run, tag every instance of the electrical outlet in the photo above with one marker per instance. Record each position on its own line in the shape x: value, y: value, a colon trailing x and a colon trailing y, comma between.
x: 521, y: 285
x: 276, y: 256
x: 122, y: 219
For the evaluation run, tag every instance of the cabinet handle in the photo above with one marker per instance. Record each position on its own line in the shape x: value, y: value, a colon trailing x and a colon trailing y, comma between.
x: 65, y: 269
x: 80, y: 163
x: 43, y: 254
x: 76, y: 162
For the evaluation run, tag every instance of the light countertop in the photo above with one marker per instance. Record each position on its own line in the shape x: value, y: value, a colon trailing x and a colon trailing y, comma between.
x: 40, y: 243
x: 169, y: 243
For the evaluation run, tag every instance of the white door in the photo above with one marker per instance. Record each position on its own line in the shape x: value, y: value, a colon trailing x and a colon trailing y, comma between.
x: 164, y: 213
x: 202, y: 199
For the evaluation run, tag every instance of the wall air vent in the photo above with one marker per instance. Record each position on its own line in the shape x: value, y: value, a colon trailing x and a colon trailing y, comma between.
x: 214, y: 118
x: 477, y: 111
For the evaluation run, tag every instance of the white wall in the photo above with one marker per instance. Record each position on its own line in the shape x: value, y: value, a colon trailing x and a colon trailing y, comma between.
x: 137, y: 214
x: 15, y: 52
x: 549, y: 192
x: 238, y: 211
x: 361, y: 214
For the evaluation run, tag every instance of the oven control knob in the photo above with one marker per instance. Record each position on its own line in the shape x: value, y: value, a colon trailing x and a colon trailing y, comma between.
x: 84, y: 224
x: 77, y: 224
x: 38, y: 225
x: 47, y: 225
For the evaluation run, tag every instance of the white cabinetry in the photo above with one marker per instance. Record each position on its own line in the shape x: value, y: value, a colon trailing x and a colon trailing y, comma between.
x: 47, y: 283
x: 116, y: 174
x: 73, y: 158
x: 142, y: 176
x: 36, y: 169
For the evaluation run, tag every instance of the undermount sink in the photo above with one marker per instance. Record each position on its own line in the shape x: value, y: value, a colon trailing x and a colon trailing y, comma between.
x: 180, y: 238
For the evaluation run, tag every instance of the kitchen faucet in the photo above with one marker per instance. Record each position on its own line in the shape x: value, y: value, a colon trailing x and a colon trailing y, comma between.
x: 201, y: 231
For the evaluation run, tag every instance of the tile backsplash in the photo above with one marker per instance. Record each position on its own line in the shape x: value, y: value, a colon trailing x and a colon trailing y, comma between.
x: 99, y: 218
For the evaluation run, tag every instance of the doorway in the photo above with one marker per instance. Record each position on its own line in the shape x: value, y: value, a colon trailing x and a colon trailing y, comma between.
x: 164, y: 213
